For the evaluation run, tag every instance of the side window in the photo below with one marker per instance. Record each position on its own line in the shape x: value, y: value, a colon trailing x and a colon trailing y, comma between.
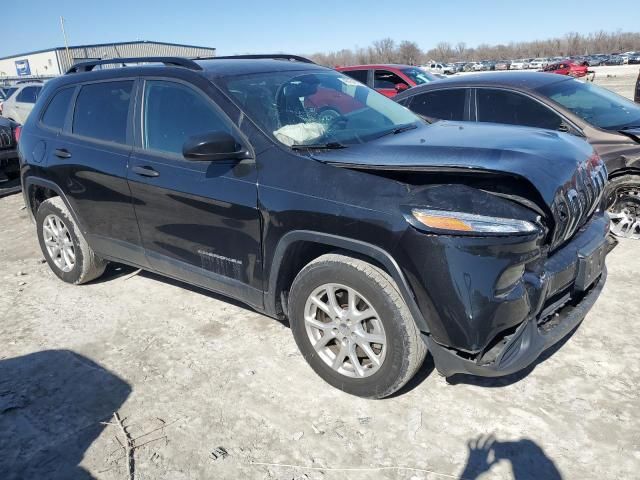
x: 442, y: 104
x: 359, y: 75
x: 500, y: 106
x: 386, y: 79
x: 102, y: 110
x: 173, y: 113
x: 28, y: 95
x: 56, y: 112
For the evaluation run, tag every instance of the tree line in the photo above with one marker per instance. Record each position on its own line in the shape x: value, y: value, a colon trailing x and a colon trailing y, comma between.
x: 387, y: 50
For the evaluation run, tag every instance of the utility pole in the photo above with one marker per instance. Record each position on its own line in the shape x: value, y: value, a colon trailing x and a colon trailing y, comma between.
x: 66, y: 44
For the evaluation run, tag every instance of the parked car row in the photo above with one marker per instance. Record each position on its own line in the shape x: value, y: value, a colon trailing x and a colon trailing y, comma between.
x: 378, y: 236
x: 539, y: 63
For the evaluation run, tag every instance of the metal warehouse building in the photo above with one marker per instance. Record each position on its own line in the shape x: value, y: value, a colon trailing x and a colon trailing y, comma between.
x: 55, y: 61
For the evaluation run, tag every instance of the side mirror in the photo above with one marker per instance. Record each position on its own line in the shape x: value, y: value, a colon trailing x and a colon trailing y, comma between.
x: 401, y: 87
x: 213, y: 146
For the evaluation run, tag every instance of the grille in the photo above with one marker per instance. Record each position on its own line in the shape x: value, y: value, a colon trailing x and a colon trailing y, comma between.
x: 6, y: 138
x: 578, y: 199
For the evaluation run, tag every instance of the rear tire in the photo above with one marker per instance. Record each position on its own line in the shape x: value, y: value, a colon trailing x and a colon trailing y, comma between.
x: 64, y: 247
x: 369, y: 326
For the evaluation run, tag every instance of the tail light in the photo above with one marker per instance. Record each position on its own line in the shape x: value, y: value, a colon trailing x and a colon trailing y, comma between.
x: 17, y: 132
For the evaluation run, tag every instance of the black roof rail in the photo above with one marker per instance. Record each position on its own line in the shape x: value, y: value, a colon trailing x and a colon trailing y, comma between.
x: 172, y: 61
x: 276, y: 56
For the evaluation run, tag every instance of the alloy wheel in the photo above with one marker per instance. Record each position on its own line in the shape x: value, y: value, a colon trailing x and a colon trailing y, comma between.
x: 59, y: 243
x: 345, y: 330
x: 625, y: 214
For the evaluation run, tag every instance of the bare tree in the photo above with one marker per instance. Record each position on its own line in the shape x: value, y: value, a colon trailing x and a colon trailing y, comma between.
x: 573, y: 43
x: 409, y: 53
x: 384, y: 50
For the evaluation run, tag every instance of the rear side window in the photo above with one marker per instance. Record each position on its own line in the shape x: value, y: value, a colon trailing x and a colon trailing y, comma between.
x: 28, y: 95
x: 173, y: 113
x: 102, y: 110
x: 500, y: 106
x: 359, y: 75
x: 442, y: 104
x: 56, y: 112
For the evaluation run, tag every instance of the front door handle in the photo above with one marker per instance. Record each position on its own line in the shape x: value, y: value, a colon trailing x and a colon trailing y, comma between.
x: 145, y: 171
x: 62, y: 153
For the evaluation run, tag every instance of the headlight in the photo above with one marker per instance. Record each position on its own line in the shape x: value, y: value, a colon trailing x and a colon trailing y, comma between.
x: 470, y: 223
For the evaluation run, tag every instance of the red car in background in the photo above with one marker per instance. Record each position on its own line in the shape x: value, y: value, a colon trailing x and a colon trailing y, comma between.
x: 388, y: 79
x: 567, y: 68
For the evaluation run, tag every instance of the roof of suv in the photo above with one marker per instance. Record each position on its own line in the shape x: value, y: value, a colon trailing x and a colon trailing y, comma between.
x: 521, y: 80
x: 231, y: 66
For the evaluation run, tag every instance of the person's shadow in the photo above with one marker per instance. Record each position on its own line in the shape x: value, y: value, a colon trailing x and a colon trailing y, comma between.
x: 528, y: 461
x: 51, y: 406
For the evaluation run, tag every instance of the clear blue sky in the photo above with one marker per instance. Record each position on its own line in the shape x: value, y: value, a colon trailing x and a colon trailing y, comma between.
x: 254, y: 26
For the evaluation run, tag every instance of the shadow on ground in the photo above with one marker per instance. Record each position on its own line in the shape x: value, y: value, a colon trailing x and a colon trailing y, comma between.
x: 527, y: 460
x: 51, y: 406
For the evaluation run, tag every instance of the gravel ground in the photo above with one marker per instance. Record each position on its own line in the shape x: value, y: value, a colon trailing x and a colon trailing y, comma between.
x: 207, y: 388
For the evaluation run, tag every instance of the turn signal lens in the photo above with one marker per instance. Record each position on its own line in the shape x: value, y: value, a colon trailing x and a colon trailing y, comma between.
x: 17, y: 132
x: 467, y: 222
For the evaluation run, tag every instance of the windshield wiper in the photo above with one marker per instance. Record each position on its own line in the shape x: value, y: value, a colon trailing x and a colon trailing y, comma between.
x: 629, y: 127
x: 397, y: 130
x: 319, y: 146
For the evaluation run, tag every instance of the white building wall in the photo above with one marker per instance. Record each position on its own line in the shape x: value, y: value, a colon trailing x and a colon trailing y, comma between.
x: 40, y: 64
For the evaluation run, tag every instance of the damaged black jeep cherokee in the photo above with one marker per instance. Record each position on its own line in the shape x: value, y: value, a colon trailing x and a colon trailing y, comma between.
x: 311, y: 197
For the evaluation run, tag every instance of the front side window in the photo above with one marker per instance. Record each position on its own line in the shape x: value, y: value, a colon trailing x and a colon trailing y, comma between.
x: 174, y: 112
x: 418, y: 76
x: 596, y: 105
x: 28, y: 95
x: 501, y: 106
x: 316, y: 107
x: 386, y: 79
x: 56, y: 112
x: 442, y: 104
x: 102, y: 110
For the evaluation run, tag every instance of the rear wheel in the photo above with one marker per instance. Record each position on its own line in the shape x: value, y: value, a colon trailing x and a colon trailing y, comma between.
x: 64, y: 247
x: 353, y: 327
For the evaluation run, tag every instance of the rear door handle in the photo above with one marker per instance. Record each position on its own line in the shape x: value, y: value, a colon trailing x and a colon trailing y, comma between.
x: 145, y: 171
x: 62, y: 153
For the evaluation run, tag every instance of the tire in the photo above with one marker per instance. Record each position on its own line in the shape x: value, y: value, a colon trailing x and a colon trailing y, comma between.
x: 403, y: 351
x: 623, y: 201
x: 54, y: 216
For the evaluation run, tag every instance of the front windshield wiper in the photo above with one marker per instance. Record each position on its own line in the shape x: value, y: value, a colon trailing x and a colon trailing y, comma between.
x: 397, y: 130
x: 629, y: 127
x: 319, y: 146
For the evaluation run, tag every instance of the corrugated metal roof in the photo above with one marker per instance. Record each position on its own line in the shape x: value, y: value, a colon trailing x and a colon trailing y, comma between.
x: 210, y: 50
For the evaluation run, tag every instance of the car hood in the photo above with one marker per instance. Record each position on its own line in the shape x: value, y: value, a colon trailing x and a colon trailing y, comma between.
x: 565, y: 170
x: 547, y: 159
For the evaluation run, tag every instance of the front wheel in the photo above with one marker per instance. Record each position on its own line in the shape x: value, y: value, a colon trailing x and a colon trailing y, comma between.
x: 624, y: 209
x: 353, y: 327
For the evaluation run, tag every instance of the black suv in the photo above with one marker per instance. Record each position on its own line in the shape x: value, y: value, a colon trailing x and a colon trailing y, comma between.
x: 376, y: 235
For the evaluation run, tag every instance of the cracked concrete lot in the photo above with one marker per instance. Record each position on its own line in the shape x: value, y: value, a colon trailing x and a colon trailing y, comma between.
x: 207, y: 388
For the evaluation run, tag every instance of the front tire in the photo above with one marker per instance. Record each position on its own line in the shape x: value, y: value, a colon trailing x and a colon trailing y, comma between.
x: 353, y: 327
x: 64, y: 247
x: 624, y: 206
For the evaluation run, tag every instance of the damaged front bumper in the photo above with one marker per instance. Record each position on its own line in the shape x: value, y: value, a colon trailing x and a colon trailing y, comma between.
x: 520, y: 349
x: 493, y: 332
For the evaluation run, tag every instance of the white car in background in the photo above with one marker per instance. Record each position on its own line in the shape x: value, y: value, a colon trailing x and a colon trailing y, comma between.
x: 19, y: 105
x: 521, y: 64
x: 538, y: 63
x: 435, y: 67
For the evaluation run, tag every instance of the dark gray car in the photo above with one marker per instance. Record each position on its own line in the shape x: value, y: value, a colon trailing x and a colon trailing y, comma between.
x: 609, y: 122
